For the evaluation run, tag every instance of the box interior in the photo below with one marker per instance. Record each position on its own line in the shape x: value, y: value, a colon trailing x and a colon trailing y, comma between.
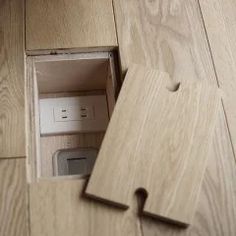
x: 58, y: 77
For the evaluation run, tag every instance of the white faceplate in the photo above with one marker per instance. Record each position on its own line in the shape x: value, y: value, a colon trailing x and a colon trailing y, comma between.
x: 73, y: 114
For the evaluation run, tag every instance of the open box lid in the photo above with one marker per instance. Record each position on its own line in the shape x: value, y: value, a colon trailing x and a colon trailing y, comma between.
x: 158, y: 141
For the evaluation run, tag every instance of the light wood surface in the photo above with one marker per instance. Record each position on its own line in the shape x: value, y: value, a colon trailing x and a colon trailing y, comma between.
x: 60, y: 213
x: 62, y: 24
x: 12, y: 139
x: 171, y: 36
x: 167, y: 35
x: 59, y: 209
x: 157, y: 140
x: 13, y: 208
x: 216, y: 211
x: 219, y: 18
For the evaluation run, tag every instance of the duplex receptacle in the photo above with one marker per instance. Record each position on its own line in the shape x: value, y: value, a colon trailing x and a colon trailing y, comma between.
x: 73, y: 113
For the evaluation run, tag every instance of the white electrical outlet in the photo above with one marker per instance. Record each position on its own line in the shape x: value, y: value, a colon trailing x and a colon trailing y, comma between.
x: 73, y: 114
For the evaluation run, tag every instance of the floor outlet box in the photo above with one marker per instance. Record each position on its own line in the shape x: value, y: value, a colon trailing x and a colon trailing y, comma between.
x: 73, y: 114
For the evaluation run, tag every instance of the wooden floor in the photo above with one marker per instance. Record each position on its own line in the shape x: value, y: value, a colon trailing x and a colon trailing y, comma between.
x: 12, y: 119
x: 191, y: 40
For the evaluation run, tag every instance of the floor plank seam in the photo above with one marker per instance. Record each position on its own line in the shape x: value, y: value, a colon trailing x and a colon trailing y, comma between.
x: 216, y: 76
x: 208, y: 43
x: 114, y: 16
x: 230, y: 136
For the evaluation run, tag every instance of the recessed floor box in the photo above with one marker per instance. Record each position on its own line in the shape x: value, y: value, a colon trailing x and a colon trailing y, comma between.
x: 85, y: 87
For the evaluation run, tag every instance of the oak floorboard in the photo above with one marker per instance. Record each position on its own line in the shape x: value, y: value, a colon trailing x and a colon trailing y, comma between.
x: 65, y: 211
x: 170, y: 36
x: 12, y: 118
x: 74, y: 24
x: 219, y: 18
x: 216, y: 209
x: 13, y: 193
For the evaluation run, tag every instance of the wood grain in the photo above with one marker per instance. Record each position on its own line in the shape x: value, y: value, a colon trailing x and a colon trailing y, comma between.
x: 216, y: 211
x: 13, y: 191
x: 157, y: 140
x: 69, y: 24
x: 12, y: 131
x: 180, y: 49
x: 167, y: 35
x: 170, y: 35
x: 219, y: 18
x: 64, y: 211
